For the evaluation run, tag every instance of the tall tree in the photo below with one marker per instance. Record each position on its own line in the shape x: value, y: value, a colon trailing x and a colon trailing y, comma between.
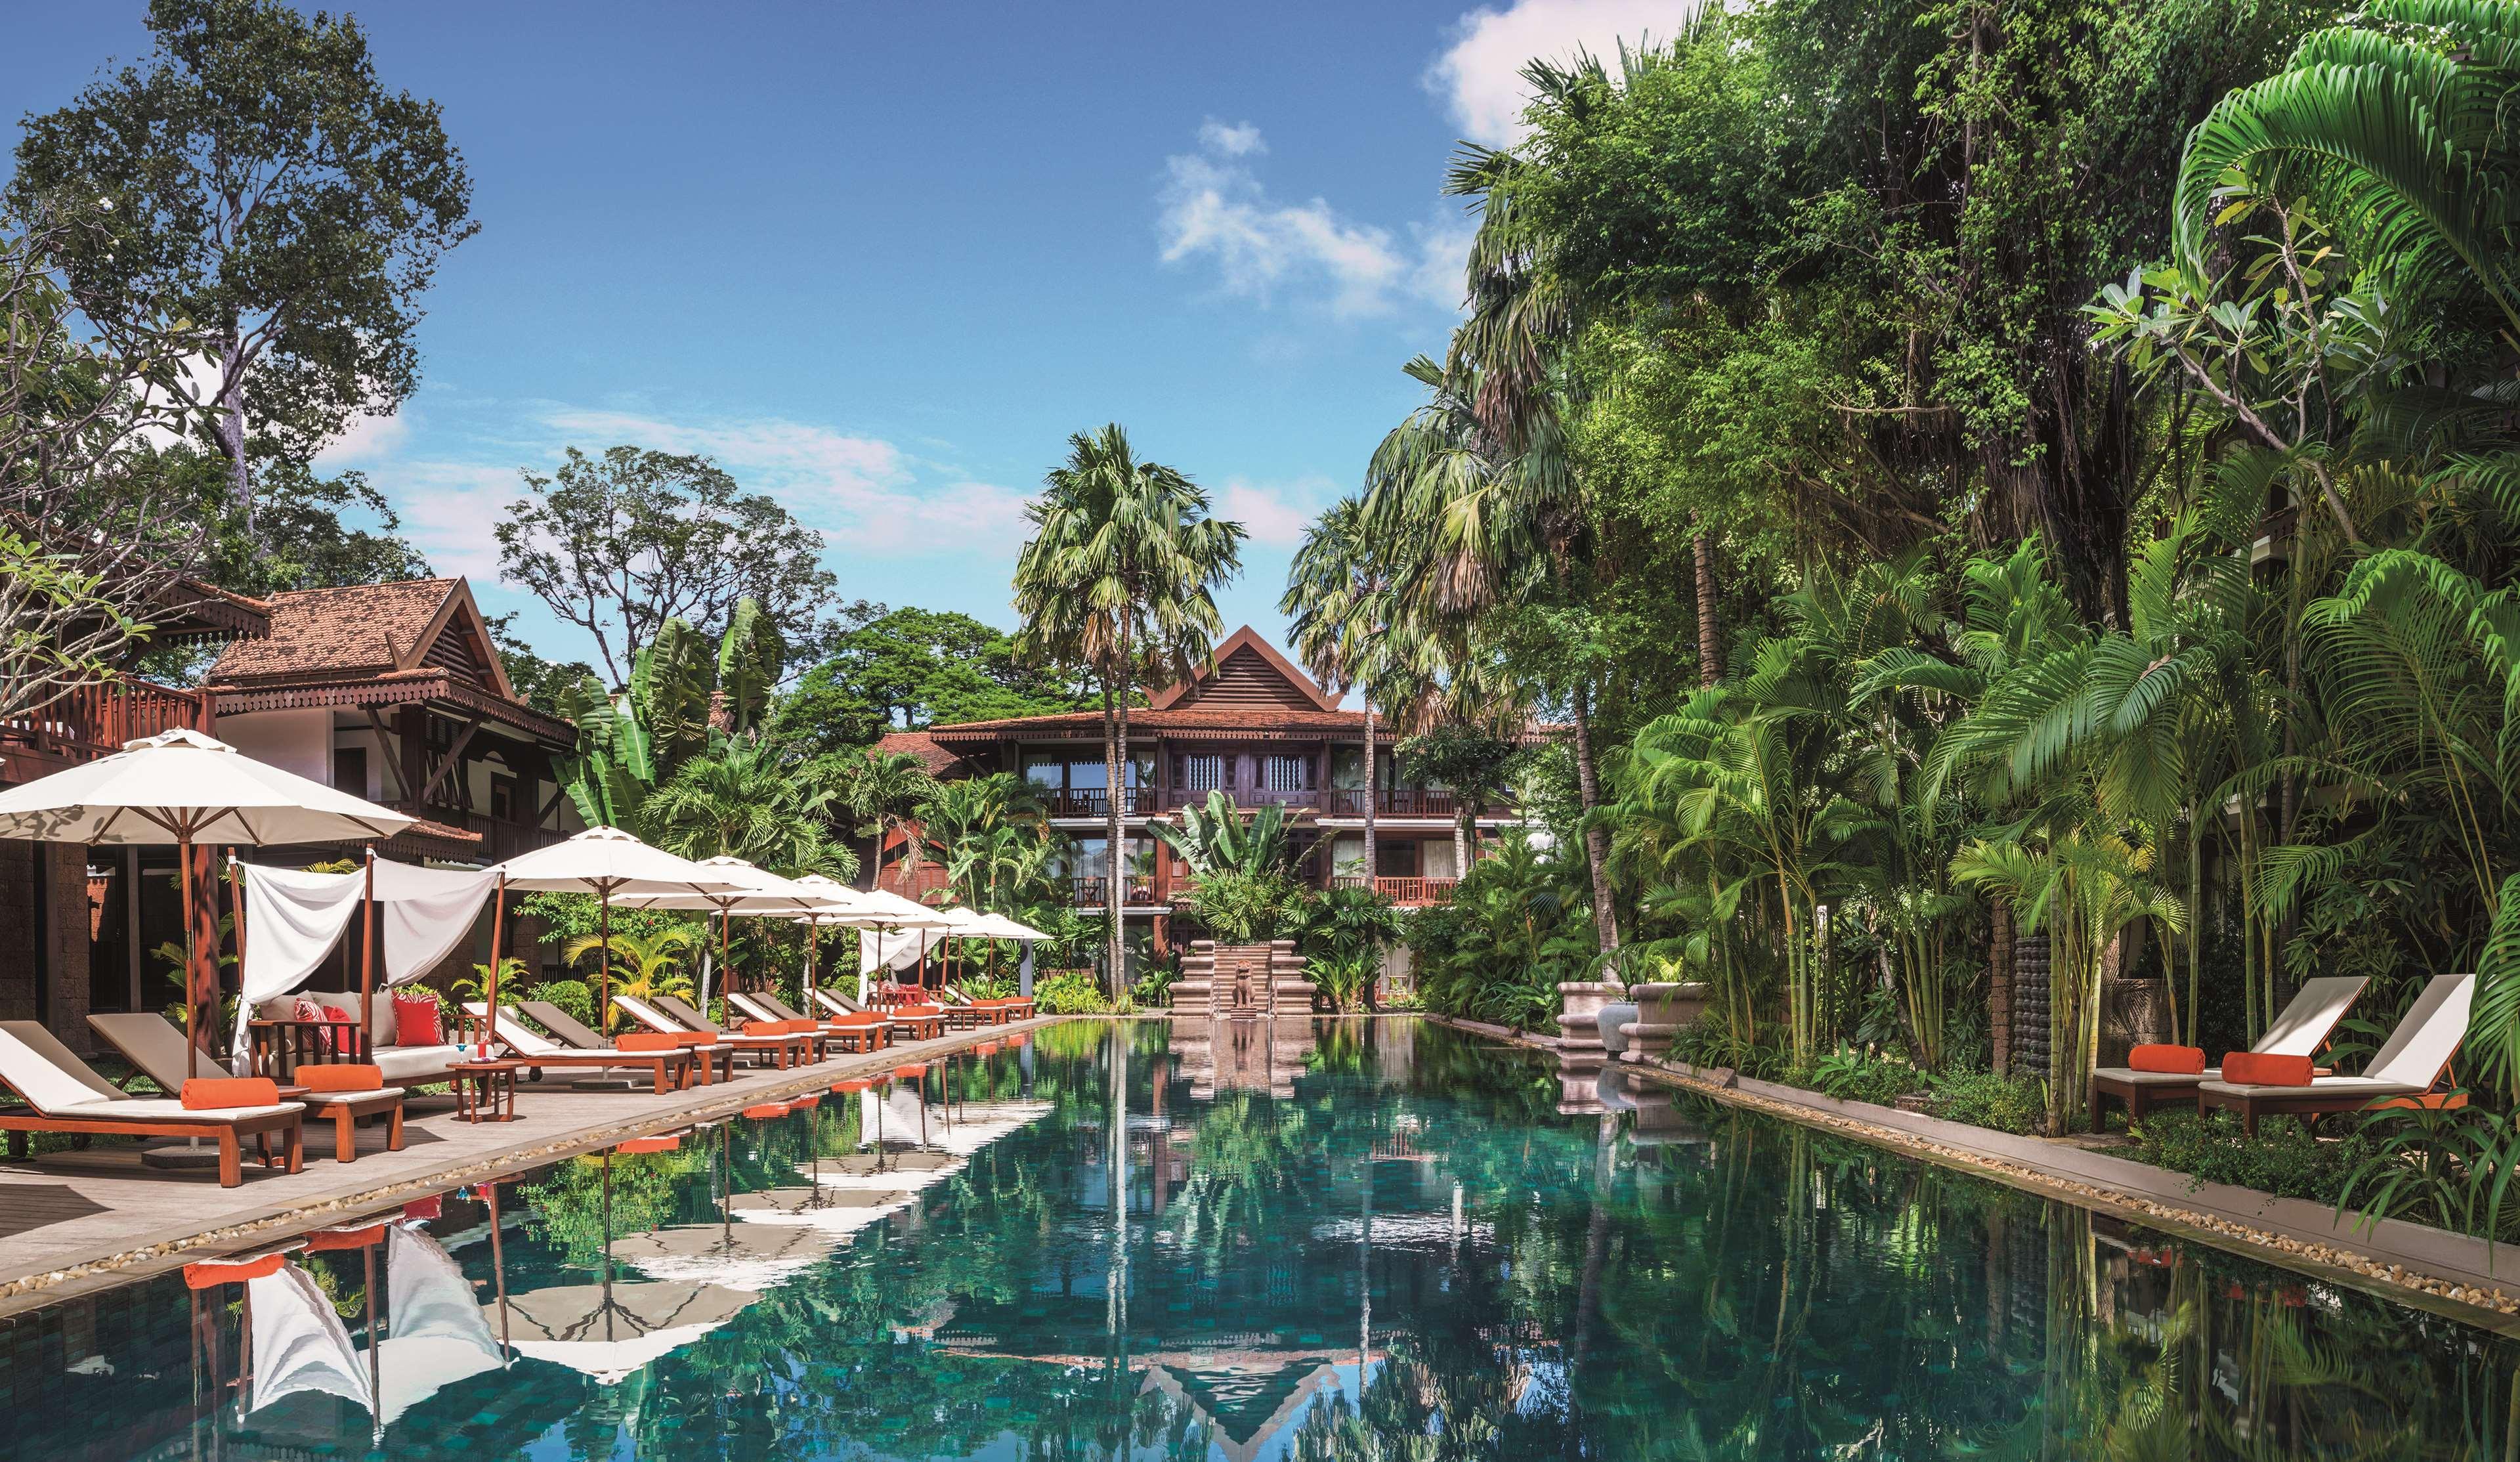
x: 256, y: 176
x: 914, y: 668
x: 1119, y: 580
x: 1339, y: 592
x: 617, y: 545
x: 883, y: 791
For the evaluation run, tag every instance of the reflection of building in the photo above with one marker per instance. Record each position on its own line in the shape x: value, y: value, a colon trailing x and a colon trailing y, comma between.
x: 1226, y: 1054
x: 1251, y: 725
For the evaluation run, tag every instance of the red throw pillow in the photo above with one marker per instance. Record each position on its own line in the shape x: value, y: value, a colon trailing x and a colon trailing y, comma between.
x: 2249, y: 1069
x: 337, y: 1075
x: 415, y: 1020
x: 307, y: 1011
x: 646, y: 1040
x: 2178, y: 1061
x: 213, y: 1093
x: 336, y: 1038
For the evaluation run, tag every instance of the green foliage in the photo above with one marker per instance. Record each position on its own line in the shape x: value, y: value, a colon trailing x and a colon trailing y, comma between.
x: 909, y: 669
x: 1070, y: 992
x: 1345, y: 977
x: 576, y: 997
x: 1241, y: 907
x: 1988, y: 1099
x: 2449, y: 1169
x: 1152, y: 990
x: 1218, y: 839
x: 1853, y: 1074
x: 1343, y: 922
x: 1515, y: 927
x: 2282, y: 1158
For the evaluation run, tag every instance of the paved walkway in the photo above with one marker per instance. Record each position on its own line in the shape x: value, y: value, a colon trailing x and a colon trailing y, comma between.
x: 78, y: 1220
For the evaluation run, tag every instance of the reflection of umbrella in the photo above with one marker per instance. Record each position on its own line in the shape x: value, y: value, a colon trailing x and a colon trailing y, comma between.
x: 183, y: 788
x: 747, y: 1258
x: 606, y: 862
x: 298, y: 1342
x: 439, y: 1336
x: 613, y: 1332
x: 833, y: 1212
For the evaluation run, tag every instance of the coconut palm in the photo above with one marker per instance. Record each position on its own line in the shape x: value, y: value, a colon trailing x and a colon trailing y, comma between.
x: 746, y: 800
x: 1119, y: 580
x: 1348, y: 627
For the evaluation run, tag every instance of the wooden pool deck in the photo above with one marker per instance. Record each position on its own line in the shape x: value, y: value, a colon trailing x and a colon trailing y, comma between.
x: 74, y: 1221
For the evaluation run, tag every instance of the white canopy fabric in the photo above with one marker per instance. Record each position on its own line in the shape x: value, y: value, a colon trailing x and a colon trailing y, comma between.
x: 609, y: 863
x: 183, y: 787
x: 293, y: 919
x: 299, y: 1344
x: 440, y: 1334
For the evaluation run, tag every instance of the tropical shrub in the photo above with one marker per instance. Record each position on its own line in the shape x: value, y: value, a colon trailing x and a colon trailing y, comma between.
x: 1852, y: 1073
x: 1345, y: 978
x: 1990, y: 1099
x: 2282, y: 1158
x: 1070, y: 992
x: 1153, y: 987
x: 1242, y: 906
x: 576, y: 997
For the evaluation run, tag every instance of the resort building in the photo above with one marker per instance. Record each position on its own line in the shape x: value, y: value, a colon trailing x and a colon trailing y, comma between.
x: 391, y: 691
x: 1249, y: 724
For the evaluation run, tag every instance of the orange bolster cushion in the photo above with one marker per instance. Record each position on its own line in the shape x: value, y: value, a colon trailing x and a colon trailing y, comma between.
x: 2178, y: 1061
x: 917, y: 1012
x: 2249, y: 1069
x: 340, y: 1076
x: 771, y: 1028
x: 647, y: 1040
x: 342, y: 1240
x: 210, y: 1093
x: 211, y: 1274
x: 695, y: 1037
x: 855, y: 1020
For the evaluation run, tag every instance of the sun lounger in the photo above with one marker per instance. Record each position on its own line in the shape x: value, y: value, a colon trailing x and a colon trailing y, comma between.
x: 64, y: 1094
x: 156, y: 1049
x: 2406, y: 1071
x: 915, y: 1026
x: 2302, y: 1028
x: 793, y: 1047
x: 656, y: 1019
x: 670, y: 1068
x: 996, y: 1010
x: 855, y: 1034
x: 572, y: 1033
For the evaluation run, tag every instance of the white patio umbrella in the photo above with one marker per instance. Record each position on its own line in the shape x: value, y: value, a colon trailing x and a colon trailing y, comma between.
x: 184, y: 788
x: 890, y: 913
x: 839, y: 903
x: 751, y: 889
x: 608, y: 863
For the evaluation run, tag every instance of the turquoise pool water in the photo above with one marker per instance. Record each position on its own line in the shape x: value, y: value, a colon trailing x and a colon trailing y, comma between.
x: 1311, y: 1240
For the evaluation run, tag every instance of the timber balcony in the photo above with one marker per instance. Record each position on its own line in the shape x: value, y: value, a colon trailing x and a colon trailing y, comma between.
x: 1392, y: 802
x: 1087, y: 892
x: 93, y: 721
x: 1096, y: 801
x: 1409, y: 893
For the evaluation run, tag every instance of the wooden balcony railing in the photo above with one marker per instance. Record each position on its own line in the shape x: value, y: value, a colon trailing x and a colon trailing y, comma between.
x: 1401, y: 891
x: 95, y: 721
x: 1094, y: 893
x: 1096, y: 801
x: 500, y: 841
x: 1394, y: 801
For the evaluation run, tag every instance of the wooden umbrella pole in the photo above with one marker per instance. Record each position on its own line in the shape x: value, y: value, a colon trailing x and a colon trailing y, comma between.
x: 603, y: 941
x: 236, y: 919
x: 498, y: 952
x: 725, y: 949
x: 368, y: 957
x: 192, y: 958
x: 498, y: 1251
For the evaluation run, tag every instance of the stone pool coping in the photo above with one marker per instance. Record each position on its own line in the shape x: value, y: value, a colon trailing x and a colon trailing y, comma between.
x: 2467, y: 1279
x: 268, y: 1210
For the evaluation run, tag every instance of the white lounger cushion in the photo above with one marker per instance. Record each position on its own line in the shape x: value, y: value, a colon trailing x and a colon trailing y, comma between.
x: 520, y: 1038
x: 2130, y: 1075
x: 2303, y: 1026
x: 648, y: 1015
x: 166, y: 1108
x: 412, y: 1063
x: 752, y: 1007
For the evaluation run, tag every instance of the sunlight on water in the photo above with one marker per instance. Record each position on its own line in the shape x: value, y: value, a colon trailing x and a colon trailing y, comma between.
x: 1336, y: 1240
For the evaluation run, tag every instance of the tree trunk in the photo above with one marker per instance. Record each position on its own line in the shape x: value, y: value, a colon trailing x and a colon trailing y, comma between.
x: 1373, y: 788
x: 1114, y: 776
x: 1596, y: 844
x: 227, y: 423
x: 1710, y: 659
x: 1460, y: 835
x: 1115, y: 735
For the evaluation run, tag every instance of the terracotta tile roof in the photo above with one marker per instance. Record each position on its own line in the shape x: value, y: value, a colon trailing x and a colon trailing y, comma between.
x: 358, y: 628
x: 1188, y: 720
x: 938, y: 760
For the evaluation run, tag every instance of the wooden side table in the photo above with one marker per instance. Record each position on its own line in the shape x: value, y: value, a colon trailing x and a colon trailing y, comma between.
x: 486, y: 1090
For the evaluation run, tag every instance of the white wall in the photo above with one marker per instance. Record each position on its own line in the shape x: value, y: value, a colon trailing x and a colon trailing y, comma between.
x: 297, y: 740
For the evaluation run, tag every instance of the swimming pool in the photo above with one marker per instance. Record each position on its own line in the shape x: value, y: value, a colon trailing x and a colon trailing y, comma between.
x: 1335, y: 1239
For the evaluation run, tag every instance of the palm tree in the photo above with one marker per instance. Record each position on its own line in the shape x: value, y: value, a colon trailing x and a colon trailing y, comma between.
x: 747, y: 801
x: 1346, y: 625
x: 644, y: 966
x: 1119, y: 580
x: 883, y: 790
x: 979, y: 826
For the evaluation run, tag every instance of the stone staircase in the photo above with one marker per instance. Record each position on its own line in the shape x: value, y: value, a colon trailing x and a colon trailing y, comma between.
x: 1250, y: 979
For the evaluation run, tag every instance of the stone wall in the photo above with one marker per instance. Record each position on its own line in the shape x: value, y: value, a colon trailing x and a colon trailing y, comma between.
x: 1250, y: 979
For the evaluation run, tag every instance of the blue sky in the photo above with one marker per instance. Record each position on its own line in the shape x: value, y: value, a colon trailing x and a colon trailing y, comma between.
x: 881, y: 259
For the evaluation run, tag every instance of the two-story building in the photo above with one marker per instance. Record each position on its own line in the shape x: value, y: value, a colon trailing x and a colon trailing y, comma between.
x: 1250, y: 723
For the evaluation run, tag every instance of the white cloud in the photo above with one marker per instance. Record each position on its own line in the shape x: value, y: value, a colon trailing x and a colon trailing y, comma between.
x: 862, y: 492
x: 368, y: 438
x: 1241, y: 140
x: 1275, y: 513
x: 1213, y: 206
x: 1479, y: 75
x: 448, y: 509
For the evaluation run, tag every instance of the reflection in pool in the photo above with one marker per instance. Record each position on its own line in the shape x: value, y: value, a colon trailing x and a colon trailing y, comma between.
x: 1333, y: 1240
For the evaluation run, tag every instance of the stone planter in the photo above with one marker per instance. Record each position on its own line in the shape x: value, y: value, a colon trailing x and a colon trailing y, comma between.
x: 1579, y: 1041
x: 1662, y: 1011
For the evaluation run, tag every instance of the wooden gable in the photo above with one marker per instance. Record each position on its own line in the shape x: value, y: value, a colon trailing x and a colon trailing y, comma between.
x: 458, y: 640
x: 1247, y: 674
